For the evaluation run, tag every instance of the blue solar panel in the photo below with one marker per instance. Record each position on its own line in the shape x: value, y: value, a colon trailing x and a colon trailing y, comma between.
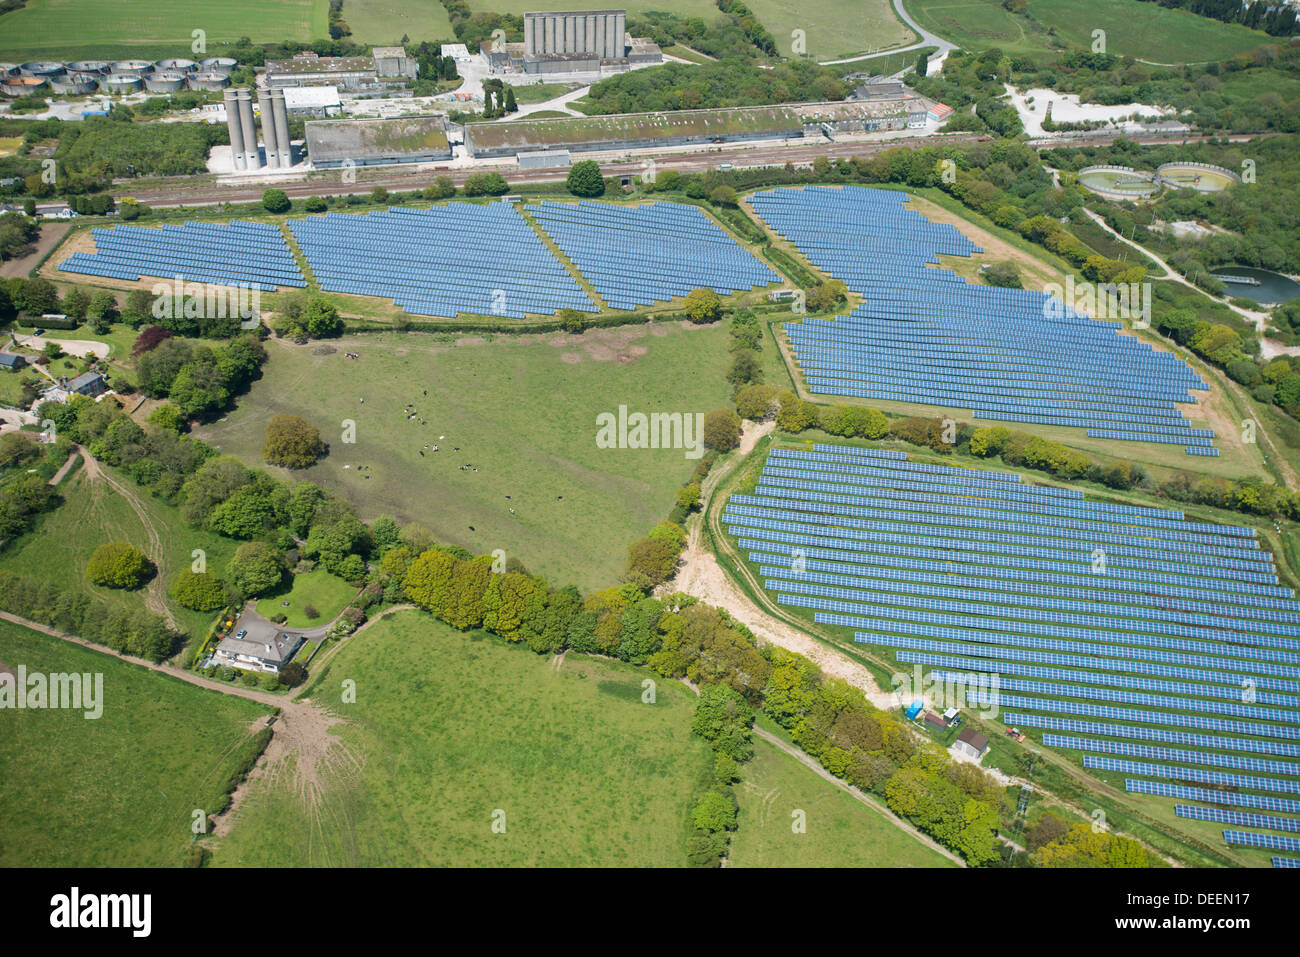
x: 1286, y: 862
x: 1265, y: 802
x: 923, y: 335
x: 1243, y: 818
x: 654, y: 252
x: 441, y: 261
x: 1274, y: 842
x: 230, y: 254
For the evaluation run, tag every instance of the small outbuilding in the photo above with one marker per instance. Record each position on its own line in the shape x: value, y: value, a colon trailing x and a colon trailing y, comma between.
x: 971, y: 743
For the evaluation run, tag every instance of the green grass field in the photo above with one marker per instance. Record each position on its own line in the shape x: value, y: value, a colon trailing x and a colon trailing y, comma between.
x: 118, y: 790
x: 60, y: 544
x: 832, y: 28
x: 326, y: 593
x: 385, y: 22
x: 1143, y: 30
x: 521, y: 410
x: 454, y: 727
x: 112, y: 29
x: 841, y: 830
x: 685, y: 8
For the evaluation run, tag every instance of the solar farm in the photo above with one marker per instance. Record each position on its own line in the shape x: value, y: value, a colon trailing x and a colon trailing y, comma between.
x: 239, y: 252
x: 1155, y: 647
x: 640, y: 255
x: 440, y: 261
x: 924, y: 335
x: 453, y: 259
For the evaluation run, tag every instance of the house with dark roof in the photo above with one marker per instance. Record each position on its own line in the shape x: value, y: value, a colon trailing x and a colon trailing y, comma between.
x: 92, y: 384
x: 971, y: 743
x: 10, y: 360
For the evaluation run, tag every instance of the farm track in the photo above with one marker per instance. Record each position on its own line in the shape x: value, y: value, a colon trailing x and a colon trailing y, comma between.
x: 155, y: 592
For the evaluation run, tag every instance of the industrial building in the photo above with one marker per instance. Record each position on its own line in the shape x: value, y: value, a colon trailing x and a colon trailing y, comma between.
x: 573, y: 42
x: 318, y: 102
x: 408, y: 139
x: 244, y: 147
x: 385, y: 67
x: 691, y: 127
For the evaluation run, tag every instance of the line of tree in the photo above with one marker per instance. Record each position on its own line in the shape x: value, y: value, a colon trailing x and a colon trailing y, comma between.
x: 130, y: 631
x: 1250, y: 495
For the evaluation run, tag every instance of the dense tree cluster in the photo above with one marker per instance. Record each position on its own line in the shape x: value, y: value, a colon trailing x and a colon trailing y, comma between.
x: 200, y: 380
x: 736, y: 35
x: 681, y: 86
x: 17, y: 233
x: 1056, y: 842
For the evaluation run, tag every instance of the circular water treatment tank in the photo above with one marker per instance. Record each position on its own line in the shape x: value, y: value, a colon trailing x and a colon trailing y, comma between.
x: 76, y: 83
x: 89, y: 66
x: 23, y: 85
x: 1201, y: 177
x: 209, y: 81
x: 119, y: 83
x: 1118, y: 181
x: 41, y: 68
x: 165, y: 82
x: 218, y: 64
x: 130, y: 67
x: 176, y: 65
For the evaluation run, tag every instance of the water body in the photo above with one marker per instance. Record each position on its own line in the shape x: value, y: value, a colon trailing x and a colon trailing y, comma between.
x: 1273, y: 287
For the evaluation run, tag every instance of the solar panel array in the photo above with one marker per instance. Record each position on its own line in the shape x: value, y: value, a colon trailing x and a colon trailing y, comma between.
x: 1274, y: 842
x: 441, y: 261
x: 925, y: 335
x: 236, y: 253
x: 640, y: 255
x: 1158, y: 646
x: 1286, y: 862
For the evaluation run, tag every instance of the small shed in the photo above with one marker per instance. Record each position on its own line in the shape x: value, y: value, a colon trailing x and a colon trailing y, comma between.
x: 971, y: 743
x: 914, y: 709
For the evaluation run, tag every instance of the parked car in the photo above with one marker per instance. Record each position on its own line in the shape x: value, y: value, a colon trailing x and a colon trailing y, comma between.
x: 242, y: 633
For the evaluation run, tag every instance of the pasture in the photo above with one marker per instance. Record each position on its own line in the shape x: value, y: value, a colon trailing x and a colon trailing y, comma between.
x: 119, y: 790
x: 841, y: 830
x: 454, y: 728
x: 514, y: 421
x: 832, y: 28
x: 385, y: 22
x: 116, y: 29
x: 1142, y: 30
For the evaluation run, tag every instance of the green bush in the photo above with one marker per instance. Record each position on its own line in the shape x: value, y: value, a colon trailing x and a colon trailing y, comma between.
x: 118, y: 565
